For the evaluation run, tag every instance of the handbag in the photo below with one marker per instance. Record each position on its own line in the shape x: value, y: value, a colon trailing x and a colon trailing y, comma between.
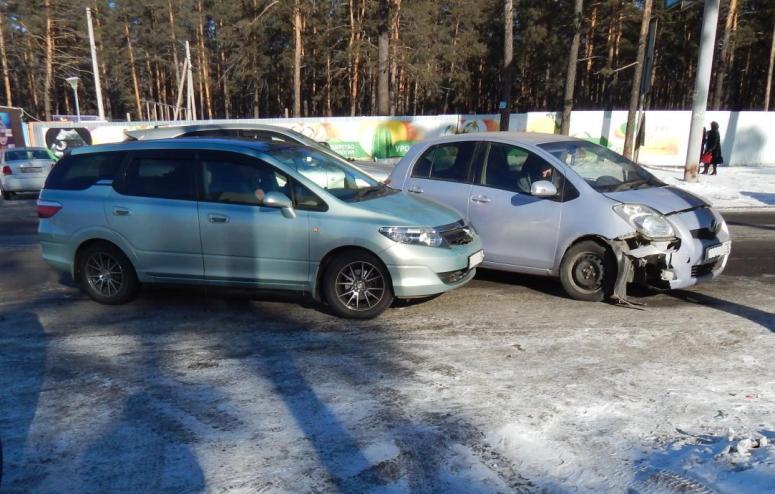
x: 706, y: 158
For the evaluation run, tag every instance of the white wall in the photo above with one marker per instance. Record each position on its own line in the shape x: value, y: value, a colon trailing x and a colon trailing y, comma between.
x: 748, y: 138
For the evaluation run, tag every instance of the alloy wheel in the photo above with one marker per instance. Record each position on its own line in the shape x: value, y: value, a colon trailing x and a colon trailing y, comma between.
x: 104, y: 274
x: 360, y: 286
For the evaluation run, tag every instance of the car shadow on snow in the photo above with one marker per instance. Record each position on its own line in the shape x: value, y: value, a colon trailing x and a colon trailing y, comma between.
x: 758, y: 316
x: 23, y: 363
x: 163, y: 411
x: 542, y: 284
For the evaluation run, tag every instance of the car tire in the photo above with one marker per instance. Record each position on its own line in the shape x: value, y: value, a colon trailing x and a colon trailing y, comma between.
x: 356, y: 285
x: 7, y: 195
x: 588, y: 271
x: 106, y: 274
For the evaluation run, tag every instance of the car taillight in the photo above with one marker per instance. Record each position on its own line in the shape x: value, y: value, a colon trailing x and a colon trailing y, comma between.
x: 47, y: 209
x: 7, y: 170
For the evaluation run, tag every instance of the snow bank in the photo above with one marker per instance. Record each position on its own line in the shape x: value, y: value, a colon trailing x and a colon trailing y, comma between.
x: 733, y: 187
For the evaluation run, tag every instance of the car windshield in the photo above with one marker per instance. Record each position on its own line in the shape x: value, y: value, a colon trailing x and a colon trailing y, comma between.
x: 315, y: 144
x: 26, y: 154
x: 339, y: 178
x: 603, y: 169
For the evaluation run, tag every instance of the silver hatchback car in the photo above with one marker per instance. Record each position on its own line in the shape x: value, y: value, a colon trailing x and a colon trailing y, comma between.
x: 557, y: 206
x: 254, y: 214
x: 23, y: 170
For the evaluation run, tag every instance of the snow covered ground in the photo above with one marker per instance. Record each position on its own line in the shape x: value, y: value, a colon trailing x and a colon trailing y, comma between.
x: 502, y: 386
x: 733, y: 187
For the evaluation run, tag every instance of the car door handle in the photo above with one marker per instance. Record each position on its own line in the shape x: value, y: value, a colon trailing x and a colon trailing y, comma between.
x: 480, y: 199
x: 415, y: 190
x: 217, y: 218
x: 118, y: 211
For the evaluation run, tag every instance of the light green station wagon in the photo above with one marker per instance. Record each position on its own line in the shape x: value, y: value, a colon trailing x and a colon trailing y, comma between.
x: 254, y: 214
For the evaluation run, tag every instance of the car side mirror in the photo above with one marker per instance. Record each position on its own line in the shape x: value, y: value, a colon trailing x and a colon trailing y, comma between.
x: 281, y: 201
x: 543, y: 188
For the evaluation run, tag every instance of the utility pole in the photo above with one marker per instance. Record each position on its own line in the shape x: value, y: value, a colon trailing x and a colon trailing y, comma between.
x: 181, y: 85
x: 190, y: 79
x: 73, y: 81
x: 97, y: 85
x: 701, y: 87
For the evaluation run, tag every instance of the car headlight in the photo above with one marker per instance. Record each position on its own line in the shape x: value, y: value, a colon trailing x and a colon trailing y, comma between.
x: 646, y: 221
x: 413, y: 235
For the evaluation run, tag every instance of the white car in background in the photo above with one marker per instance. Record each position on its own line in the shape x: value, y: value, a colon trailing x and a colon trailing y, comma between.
x: 24, y: 169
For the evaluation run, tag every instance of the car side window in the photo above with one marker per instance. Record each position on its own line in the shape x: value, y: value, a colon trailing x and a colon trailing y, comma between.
x: 515, y: 169
x: 503, y: 166
x: 238, y: 179
x: 449, y: 162
x: 81, y: 171
x: 165, y: 174
x: 306, y: 200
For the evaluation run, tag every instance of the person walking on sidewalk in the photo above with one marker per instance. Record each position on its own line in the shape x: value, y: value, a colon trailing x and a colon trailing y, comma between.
x: 712, y: 146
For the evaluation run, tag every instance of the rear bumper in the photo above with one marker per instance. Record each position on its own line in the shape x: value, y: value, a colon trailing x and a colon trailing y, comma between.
x: 55, y: 246
x: 14, y: 183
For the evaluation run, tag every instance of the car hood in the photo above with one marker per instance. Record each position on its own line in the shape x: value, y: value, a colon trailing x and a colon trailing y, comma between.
x: 666, y: 200
x: 405, y: 210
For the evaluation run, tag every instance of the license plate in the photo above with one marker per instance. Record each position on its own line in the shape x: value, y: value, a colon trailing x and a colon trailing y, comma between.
x: 31, y: 169
x: 718, y: 250
x: 475, y: 259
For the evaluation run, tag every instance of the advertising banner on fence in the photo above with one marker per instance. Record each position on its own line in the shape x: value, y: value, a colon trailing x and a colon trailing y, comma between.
x: 10, y: 128
x: 746, y: 137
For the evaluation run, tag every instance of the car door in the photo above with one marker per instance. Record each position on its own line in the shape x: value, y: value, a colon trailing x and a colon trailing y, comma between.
x: 518, y: 231
x: 443, y: 173
x: 243, y: 240
x: 153, y: 207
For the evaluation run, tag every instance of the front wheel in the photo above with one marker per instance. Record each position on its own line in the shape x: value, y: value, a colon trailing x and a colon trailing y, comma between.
x: 357, y: 286
x: 588, y: 272
x: 106, y: 274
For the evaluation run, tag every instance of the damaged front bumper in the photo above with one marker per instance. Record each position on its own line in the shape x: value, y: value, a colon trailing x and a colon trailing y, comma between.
x: 699, y: 252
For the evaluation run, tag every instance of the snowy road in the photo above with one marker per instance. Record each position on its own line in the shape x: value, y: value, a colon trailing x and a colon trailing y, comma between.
x: 502, y: 386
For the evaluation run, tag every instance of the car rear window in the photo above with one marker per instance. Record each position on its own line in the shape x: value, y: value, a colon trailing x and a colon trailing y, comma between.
x: 26, y: 154
x: 81, y: 171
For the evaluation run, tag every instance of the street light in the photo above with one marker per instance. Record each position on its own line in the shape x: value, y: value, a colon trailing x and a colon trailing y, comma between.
x: 73, y: 81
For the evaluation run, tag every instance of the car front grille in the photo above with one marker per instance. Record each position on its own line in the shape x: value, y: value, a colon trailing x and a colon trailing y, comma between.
x: 704, y: 234
x: 452, y: 277
x: 456, y: 234
x: 703, y: 269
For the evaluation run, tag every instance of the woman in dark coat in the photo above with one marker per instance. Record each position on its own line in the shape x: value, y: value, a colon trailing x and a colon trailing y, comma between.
x: 713, y: 146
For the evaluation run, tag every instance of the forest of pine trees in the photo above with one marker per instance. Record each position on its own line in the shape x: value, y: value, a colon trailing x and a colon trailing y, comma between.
x: 261, y: 58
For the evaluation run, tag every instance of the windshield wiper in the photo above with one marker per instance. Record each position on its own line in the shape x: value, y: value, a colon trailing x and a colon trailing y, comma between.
x: 630, y: 185
x: 362, y: 193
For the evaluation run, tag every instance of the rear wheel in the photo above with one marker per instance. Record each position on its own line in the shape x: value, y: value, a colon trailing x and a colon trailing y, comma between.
x: 588, y: 272
x: 106, y: 274
x: 357, y: 286
x: 7, y: 195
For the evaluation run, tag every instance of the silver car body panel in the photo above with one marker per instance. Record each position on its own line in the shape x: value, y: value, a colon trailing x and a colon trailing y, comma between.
x: 522, y: 233
x: 173, y: 240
